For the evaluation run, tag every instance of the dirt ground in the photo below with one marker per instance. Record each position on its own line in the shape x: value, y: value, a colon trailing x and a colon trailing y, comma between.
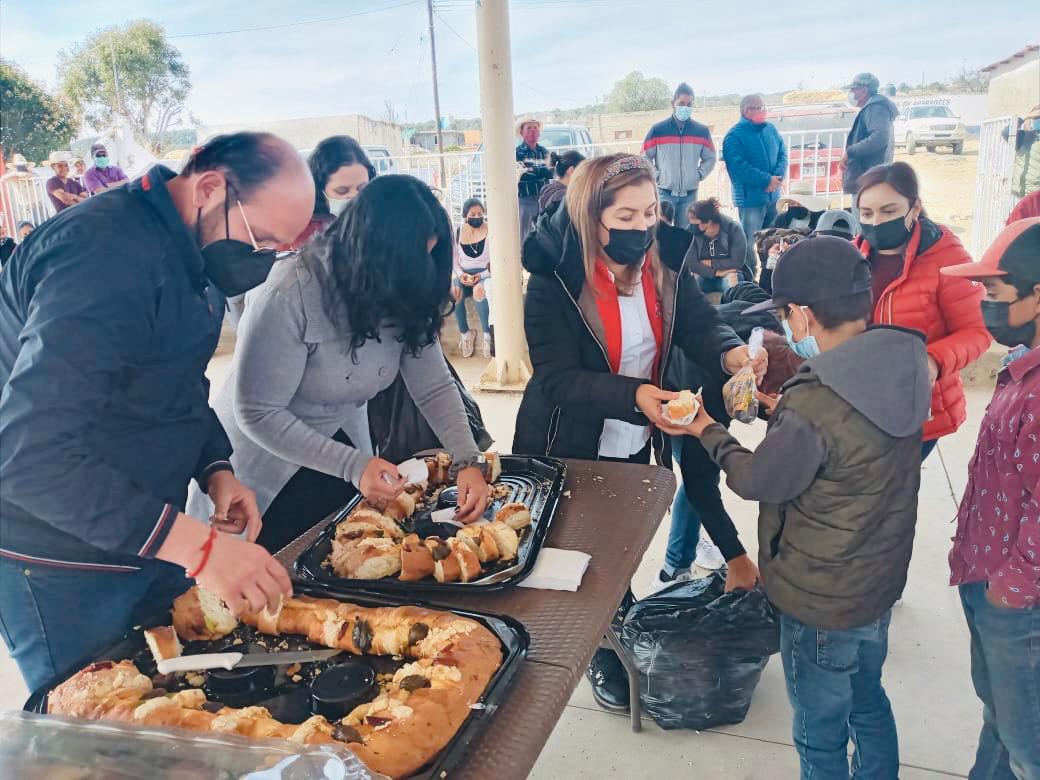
x: 948, y: 185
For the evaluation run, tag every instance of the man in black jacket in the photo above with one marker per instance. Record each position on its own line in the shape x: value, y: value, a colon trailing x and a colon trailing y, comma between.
x: 109, y: 314
x: 871, y: 140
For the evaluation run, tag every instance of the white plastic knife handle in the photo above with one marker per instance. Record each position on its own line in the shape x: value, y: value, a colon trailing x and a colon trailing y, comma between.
x: 190, y: 663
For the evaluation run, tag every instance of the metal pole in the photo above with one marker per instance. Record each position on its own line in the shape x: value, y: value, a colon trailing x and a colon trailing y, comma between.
x: 436, y: 93
x: 510, y: 370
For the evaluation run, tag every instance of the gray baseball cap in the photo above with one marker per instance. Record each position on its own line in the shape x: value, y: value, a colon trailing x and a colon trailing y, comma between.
x: 836, y: 222
x: 868, y: 80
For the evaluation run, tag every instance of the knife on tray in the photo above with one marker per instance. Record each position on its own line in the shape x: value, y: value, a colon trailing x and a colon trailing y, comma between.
x: 191, y: 663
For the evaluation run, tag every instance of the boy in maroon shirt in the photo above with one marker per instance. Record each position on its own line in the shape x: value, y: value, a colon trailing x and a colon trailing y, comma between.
x: 995, y: 561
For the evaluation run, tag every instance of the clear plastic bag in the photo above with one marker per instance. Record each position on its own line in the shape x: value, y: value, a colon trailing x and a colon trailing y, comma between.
x: 45, y: 747
x: 739, y: 392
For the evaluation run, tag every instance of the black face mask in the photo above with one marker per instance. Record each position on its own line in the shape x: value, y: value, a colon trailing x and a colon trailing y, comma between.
x: 475, y: 222
x: 234, y: 267
x: 886, y: 235
x: 628, y: 247
x: 995, y: 316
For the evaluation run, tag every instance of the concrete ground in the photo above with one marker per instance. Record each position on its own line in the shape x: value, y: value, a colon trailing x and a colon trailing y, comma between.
x: 926, y: 676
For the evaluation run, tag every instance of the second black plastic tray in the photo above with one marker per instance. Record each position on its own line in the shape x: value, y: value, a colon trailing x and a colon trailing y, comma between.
x: 536, y: 482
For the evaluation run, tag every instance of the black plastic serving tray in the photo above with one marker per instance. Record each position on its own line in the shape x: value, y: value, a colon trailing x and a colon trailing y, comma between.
x: 534, y: 481
x: 286, y: 694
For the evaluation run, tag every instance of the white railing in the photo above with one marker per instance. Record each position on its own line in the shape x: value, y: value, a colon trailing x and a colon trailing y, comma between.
x: 24, y: 199
x: 993, y: 198
x: 813, y: 156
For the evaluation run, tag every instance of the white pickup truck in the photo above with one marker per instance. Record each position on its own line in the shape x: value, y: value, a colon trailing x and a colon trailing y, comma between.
x: 929, y: 125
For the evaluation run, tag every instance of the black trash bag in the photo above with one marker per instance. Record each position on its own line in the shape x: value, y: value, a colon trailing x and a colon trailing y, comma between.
x: 700, y: 651
x: 399, y: 430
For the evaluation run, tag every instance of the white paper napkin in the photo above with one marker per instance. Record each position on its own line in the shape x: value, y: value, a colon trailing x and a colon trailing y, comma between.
x: 414, y: 470
x: 558, y: 570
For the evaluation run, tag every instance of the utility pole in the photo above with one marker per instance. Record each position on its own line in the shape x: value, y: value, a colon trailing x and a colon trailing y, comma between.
x: 510, y: 369
x: 436, y: 94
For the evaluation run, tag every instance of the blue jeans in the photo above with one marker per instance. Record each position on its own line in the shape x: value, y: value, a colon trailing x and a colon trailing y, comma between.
x: 1005, y: 668
x: 686, y: 524
x: 834, y: 685
x: 482, y: 306
x: 753, y: 218
x: 717, y: 284
x: 53, y: 620
x: 681, y: 204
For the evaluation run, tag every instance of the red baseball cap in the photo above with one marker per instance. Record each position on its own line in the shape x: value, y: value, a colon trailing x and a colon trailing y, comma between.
x: 1015, y: 251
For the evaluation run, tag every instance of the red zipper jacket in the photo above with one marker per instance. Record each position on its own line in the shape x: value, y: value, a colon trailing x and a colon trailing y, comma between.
x: 944, y: 308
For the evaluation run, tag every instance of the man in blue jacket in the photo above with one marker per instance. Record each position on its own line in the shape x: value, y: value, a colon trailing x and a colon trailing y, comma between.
x: 756, y: 160
x: 682, y: 152
x: 109, y: 314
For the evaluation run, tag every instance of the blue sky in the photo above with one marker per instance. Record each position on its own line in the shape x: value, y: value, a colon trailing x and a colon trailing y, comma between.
x: 566, y: 53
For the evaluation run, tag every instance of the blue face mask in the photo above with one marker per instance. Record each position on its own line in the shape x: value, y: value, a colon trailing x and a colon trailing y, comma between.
x: 101, y: 162
x: 682, y: 113
x: 806, y: 348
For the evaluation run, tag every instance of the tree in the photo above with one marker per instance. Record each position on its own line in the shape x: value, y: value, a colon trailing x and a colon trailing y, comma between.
x: 33, y: 122
x: 968, y: 80
x: 635, y: 92
x: 128, y: 72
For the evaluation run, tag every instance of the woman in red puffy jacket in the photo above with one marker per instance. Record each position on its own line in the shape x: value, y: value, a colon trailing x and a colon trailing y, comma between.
x: 906, y: 251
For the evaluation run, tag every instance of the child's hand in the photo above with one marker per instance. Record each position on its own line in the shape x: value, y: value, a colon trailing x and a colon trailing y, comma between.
x: 768, y: 402
x: 700, y: 422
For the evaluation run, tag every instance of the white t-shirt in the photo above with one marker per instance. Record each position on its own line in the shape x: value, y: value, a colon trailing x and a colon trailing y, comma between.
x: 638, y: 354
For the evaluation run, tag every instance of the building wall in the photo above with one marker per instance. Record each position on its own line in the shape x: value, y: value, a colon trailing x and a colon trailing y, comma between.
x: 1014, y: 88
x: 307, y: 133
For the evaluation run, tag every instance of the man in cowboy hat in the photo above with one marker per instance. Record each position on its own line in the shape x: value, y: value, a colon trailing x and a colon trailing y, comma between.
x: 801, y: 208
x: 63, y: 190
x: 532, y: 156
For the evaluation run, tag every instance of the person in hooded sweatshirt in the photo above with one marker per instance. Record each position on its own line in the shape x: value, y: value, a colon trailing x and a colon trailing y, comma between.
x: 872, y: 137
x: 837, y: 477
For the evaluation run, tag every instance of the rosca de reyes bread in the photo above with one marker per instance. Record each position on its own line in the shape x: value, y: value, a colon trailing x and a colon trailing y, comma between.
x: 452, y: 659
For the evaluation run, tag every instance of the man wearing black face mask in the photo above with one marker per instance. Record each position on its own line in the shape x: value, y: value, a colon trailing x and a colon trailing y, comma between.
x: 995, y: 561
x: 108, y: 318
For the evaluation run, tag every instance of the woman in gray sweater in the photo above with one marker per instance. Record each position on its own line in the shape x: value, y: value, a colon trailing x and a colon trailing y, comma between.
x: 331, y: 328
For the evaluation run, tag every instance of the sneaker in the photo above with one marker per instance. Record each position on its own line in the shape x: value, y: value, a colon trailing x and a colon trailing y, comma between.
x: 664, y: 580
x: 609, y: 681
x: 467, y: 342
x: 485, y: 347
x: 708, y: 555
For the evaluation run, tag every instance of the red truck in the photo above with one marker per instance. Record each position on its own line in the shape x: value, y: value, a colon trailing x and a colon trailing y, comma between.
x: 815, y: 136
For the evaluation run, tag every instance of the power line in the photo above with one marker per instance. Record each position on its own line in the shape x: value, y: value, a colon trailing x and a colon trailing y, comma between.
x: 459, y: 35
x: 296, y: 24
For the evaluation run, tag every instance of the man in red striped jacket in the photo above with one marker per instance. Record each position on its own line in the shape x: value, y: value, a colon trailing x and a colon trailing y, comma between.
x: 682, y: 152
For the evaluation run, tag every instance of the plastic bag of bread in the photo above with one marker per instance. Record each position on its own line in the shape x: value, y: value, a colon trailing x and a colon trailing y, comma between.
x: 739, y: 392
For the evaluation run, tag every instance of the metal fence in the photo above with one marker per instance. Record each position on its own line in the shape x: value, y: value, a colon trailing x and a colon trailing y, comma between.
x: 813, y: 158
x: 993, y: 197
x: 24, y: 199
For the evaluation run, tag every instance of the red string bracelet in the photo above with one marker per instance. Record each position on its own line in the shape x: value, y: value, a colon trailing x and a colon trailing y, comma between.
x: 206, y: 549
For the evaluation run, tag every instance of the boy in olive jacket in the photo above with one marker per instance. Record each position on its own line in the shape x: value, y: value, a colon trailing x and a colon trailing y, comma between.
x: 837, y: 477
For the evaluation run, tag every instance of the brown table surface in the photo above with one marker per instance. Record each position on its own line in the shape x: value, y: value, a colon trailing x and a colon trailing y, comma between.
x: 609, y: 510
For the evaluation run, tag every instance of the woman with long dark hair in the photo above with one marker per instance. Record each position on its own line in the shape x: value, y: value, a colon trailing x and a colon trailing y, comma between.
x: 906, y: 250
x: 470, y: 276
x: 331, y: 328
x: 341, y: 169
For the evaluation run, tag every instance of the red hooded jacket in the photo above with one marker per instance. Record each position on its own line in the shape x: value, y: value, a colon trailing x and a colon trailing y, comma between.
x: 944, y: 308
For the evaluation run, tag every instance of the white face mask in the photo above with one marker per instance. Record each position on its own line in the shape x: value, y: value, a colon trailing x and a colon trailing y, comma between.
x: 851, y: 96
x: 337, y: 206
